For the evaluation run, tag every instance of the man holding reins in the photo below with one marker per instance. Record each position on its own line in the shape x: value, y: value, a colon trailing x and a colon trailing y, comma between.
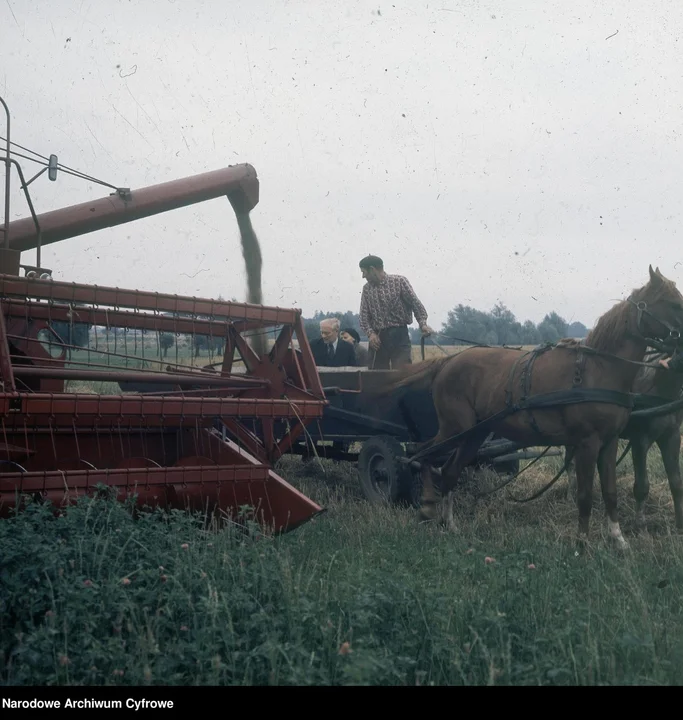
x: 387, y: 305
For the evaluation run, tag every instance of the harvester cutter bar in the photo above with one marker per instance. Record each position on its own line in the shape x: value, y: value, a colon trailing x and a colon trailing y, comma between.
x: 87, y: 410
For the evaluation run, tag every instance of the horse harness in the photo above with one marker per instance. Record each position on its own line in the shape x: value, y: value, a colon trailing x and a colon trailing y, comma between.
x: 576, y: 394
x: 528, y: 402
x: 525, y: 381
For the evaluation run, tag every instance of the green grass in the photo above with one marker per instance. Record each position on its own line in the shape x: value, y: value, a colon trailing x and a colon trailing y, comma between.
x: 360, y: 595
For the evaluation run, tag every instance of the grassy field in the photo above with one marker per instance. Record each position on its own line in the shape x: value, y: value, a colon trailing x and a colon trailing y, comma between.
x: 360, y: 595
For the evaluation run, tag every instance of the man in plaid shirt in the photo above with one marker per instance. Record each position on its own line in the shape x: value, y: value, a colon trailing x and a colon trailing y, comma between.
x: 387, y: 305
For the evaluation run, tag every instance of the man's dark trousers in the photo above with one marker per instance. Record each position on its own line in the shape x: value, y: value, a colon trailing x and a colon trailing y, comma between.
x: 395, y: 350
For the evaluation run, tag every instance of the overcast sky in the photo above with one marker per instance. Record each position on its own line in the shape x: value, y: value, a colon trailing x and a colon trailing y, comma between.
x: 514, y: 151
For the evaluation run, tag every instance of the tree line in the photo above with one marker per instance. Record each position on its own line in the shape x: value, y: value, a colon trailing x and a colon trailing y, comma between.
x: 464, y: 323
x: 498, y: 326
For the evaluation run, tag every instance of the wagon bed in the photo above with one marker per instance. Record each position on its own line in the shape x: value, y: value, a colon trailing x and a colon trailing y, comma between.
x: 381, y: 434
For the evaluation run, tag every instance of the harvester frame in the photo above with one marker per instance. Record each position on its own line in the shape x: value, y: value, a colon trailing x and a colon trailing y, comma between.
x: 204, y: 438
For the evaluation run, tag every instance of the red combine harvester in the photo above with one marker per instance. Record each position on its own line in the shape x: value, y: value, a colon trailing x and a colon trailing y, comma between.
x: 89, y: 396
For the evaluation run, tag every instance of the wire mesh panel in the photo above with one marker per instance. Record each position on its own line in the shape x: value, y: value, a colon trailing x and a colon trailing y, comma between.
x: 159, y: 395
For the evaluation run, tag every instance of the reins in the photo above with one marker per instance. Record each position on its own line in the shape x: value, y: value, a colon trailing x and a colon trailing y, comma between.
x: 552, y: 345
x: 568, y: 458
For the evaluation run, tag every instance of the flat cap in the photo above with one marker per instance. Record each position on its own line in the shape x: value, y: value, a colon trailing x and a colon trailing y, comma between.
x: 371, y: 261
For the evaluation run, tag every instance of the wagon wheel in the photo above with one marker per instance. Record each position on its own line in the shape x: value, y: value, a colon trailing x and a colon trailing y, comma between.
x: 383, y: 477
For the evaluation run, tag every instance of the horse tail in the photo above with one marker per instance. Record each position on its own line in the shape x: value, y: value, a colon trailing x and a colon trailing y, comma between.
x: 420, y: 375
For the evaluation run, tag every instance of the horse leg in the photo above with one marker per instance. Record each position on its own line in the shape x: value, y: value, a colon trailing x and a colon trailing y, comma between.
x: 641, y: 483
x: 670, y: 447
x: 428, y: 501
x: 455, y: 427
x: 585, y: 459
x: 451, y: 471
x: 607, y: 469
x: 570, y: 469
x: 449, y: 516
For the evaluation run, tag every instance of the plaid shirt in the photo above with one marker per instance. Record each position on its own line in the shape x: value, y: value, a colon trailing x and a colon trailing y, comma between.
x: 389, y: 304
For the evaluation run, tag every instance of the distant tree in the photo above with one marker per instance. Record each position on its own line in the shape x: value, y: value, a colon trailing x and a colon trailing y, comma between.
x: 465, y: 323
x: 577, y: 330
x: 559, y: 323
x: 505, y: 325
x: 548, y: 332
x: 166, y: 341
x: 530, y: 334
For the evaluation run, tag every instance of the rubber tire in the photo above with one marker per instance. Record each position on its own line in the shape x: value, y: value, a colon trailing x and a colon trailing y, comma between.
x: 381, y: 453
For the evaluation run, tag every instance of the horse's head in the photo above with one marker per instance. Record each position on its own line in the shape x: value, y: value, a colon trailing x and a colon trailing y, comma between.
x: 659, y: 305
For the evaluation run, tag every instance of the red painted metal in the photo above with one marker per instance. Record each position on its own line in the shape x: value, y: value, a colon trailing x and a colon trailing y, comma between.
x: 238, y: 182
x: 141, y: 409
x: 242, y: 315
x: 6, y: 370
x: 180, y: 379
x: 199, y: 438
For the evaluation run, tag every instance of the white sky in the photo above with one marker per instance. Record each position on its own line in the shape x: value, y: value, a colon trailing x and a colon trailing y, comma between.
x: 487, y: 150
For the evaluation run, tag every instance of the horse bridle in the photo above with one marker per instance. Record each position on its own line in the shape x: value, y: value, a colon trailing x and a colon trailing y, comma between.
x: 663, y: 344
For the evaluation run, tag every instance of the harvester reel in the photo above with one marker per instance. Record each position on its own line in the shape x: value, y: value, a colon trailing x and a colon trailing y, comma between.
x: 75, y: 464
x: 13, y: 464
x: 195, y: 461
x: 136, y: 462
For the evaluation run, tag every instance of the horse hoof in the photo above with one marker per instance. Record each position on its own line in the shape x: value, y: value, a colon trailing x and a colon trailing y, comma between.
x: 426, y: 514
x: 621, y: 544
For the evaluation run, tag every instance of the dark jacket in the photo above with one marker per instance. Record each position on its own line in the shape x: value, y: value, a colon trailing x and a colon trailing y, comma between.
x: 344, y: 355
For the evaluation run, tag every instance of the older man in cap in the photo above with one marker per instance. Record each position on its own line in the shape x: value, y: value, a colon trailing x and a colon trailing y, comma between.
x: 387, y: 305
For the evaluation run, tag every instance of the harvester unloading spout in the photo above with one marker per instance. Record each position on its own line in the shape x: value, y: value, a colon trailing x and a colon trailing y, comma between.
x: 238, y: 182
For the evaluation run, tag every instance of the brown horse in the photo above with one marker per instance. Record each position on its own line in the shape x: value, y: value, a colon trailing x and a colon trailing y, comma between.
x: 483, y: 382
x: 642, y: 432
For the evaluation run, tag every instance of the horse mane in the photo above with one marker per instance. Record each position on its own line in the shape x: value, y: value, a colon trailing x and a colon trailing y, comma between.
x: 610, y: 326
x: 568, y: 342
